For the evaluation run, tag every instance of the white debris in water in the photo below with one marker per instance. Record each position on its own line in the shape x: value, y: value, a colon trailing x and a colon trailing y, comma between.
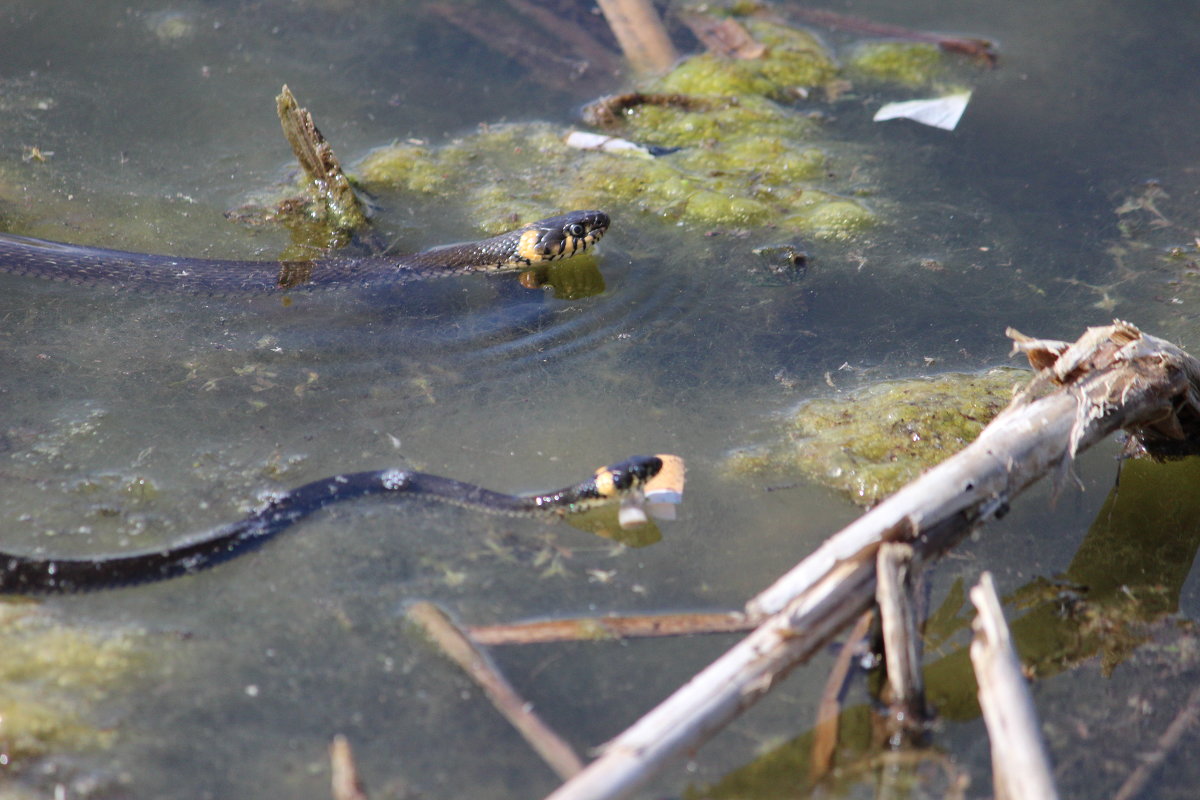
x: 937, y: 112
x: 581, y: 140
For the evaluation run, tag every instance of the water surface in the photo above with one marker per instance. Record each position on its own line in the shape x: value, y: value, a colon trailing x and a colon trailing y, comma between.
x: 131, y: 420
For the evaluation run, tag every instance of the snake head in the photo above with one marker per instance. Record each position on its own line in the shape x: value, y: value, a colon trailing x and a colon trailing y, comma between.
x: 626, y: 476
x: 562, y: 236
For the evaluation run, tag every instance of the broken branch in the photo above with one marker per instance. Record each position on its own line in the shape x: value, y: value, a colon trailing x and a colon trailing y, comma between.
x: 1112, y: 378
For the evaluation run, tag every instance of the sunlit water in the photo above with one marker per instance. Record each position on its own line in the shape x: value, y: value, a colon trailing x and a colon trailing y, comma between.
x: 177, y: 413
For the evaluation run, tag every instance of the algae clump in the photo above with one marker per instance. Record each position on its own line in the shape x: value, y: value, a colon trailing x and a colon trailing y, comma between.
x: 795, y: 59
x: 871, y: 443
x: 910, y: 64
x: 733, y: 152
x: 51, y: 675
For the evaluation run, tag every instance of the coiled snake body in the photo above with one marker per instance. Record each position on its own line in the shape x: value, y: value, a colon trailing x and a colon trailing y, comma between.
x: 538, y: 242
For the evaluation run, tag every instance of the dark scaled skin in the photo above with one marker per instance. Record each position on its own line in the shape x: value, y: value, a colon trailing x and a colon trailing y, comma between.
x: 538, y: 242
x: 23, y: 574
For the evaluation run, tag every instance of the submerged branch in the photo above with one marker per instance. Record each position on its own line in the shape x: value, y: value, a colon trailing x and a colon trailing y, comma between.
x: 610, y: 627
x: 973, y: 47
x: 459, y: 648
x: 829, y: 710
x: 1167, y: 744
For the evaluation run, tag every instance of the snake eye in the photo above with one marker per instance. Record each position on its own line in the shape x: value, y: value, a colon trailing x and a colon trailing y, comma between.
x: 622, y: 479
x: 576, y: 230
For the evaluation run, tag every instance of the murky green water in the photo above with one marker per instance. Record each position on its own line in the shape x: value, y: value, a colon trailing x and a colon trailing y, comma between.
x: 133, y: 420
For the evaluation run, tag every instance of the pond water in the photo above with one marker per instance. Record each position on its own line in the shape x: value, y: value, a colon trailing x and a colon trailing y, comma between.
x: 132, y: 420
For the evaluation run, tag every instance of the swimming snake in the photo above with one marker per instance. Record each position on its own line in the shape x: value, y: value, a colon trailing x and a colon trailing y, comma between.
x: 632, y: 481
x: 536, y: 243
x: 539, y: 242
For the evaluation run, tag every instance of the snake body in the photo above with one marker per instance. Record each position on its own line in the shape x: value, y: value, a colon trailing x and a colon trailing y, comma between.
x: 536, y: 243
x: 618, y: 482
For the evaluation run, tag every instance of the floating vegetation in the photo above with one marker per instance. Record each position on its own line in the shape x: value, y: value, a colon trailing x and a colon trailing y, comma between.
x: 51, y: 677
x: 871, y: 443
x: 910, y: 64
x: 734, y: 149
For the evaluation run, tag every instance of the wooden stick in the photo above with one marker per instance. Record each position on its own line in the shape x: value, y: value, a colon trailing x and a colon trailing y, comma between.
x: 1167, y: 743
x: 1020, y: 763
x: 825, y: 731
x: 612, y: 627
x: 321, y: 167
x: 640, y: 33
x: 343, y: 773
x: 455, y: 644
x: 980, y: 49
x: 1113, y: 377
x: 729, y: 685
x: 900, y: 639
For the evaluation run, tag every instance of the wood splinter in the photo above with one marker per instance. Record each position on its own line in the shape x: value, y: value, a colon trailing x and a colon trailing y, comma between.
x: 343, y: 774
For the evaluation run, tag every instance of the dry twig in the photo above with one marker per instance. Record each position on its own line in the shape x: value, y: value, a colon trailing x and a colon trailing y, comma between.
x: 901, y: 640
x: 460, y: 649
x: 612, y: 627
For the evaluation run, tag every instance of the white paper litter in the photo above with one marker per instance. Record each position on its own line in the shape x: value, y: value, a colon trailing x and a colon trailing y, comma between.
x: 937, y: 112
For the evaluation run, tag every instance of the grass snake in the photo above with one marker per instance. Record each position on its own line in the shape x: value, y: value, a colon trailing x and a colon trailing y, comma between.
x: 641, y: 481
x: 629, y: 482
x: 536, y: 243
